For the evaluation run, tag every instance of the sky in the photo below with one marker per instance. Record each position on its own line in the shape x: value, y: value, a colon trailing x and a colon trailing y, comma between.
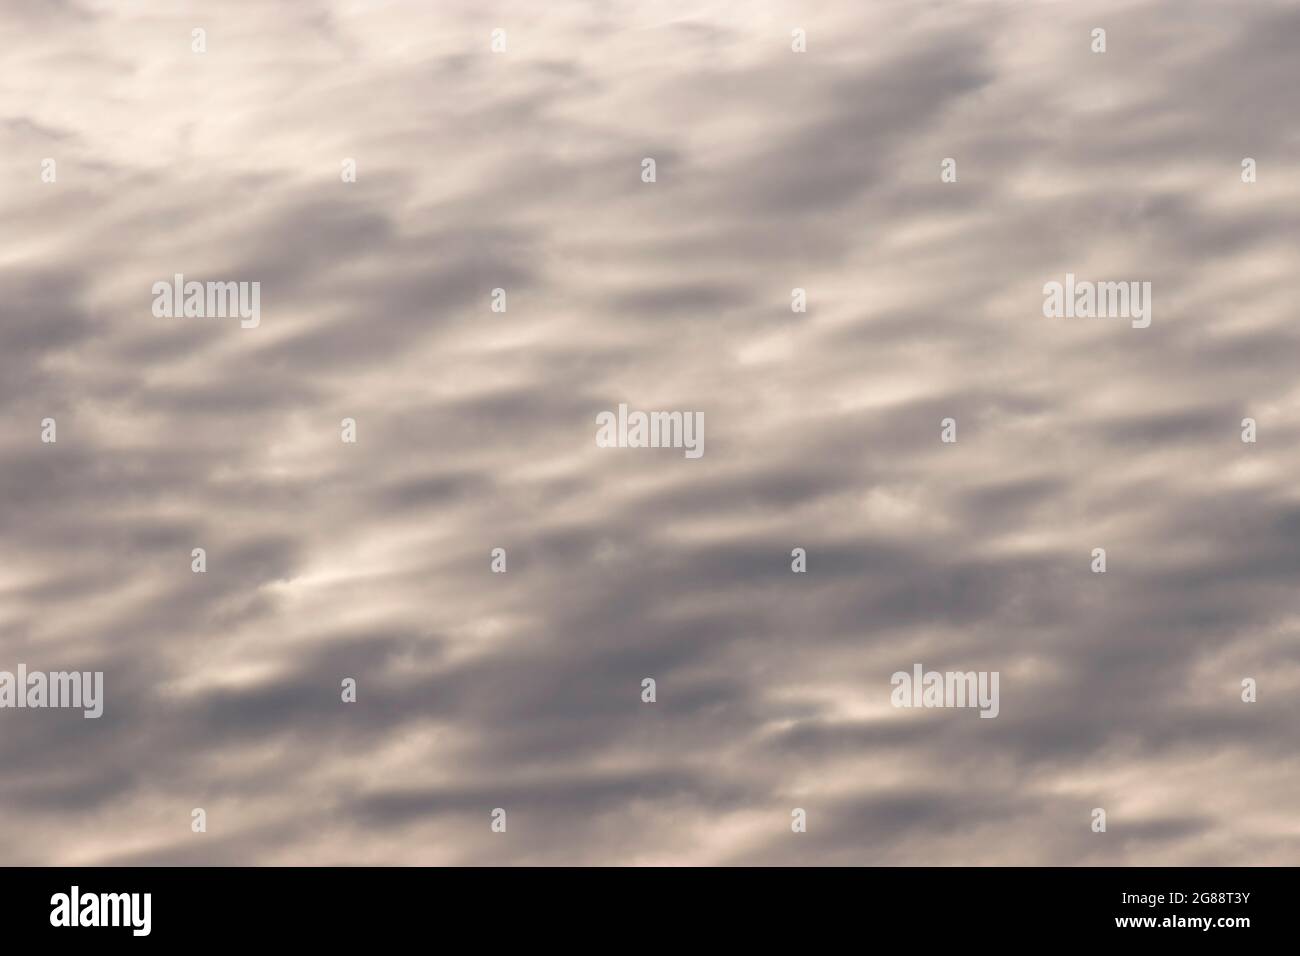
x: 522, y: 169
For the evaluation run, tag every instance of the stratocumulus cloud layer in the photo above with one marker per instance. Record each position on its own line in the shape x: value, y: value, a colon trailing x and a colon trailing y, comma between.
x: 775, y: 170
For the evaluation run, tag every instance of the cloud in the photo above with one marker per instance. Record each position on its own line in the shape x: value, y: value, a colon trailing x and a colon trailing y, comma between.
x: 521, y: 171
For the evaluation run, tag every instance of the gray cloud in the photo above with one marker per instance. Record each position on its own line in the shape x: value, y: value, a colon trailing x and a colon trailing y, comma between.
x: 476, y: 430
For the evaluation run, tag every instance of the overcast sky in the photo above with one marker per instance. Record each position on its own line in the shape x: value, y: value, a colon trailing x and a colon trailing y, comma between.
x: 775, y: 170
